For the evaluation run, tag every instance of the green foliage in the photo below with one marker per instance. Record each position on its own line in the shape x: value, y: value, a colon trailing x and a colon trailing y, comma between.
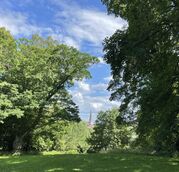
x: 8, y: 97
x: 46, y: 136
x: 144, y: 62
x: 75, y: 137
x: 34, y: 75
x: 108, y: 134
x: 43, y: 144
x: 62, y: 136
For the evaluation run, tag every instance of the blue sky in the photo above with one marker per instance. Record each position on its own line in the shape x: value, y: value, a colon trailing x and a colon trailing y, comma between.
x: 83, y: 24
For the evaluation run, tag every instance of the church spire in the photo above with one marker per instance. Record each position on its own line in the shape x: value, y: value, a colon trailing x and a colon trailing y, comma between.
x: 90, y: 119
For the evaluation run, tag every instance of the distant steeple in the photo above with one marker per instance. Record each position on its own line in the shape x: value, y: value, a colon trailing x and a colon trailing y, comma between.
x: 90, y: 119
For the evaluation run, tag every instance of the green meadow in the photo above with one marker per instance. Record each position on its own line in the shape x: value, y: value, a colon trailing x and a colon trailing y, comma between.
x: 114, y: 162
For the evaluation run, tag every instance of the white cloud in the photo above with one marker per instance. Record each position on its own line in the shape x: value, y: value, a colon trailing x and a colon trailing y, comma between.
x: 108, y: 78
x: 73, y: 24
x: 93, y: 97
x: 94, y: 26
x: 78, y: 97
x: 86, y: 24
x: 87, y: 89
x: 71, y: 42
x: 64, y: 39
x: 83, y: 86
x: 93, y: 103
x: 96, y: 105
x: 18, y: 24
x: 100, y: 86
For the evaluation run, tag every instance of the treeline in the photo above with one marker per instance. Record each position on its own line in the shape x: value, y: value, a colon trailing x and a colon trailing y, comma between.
x: 63, y: 136
x: 36, y: 108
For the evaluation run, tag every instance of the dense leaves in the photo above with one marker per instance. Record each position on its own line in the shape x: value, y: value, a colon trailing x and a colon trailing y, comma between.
x: 34, y: 76
x: 145, y: 68
x: 62, y: 136
x: 108, y: 134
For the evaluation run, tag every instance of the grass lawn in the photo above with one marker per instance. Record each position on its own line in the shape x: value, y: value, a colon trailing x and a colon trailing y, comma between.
x: 117, y: 162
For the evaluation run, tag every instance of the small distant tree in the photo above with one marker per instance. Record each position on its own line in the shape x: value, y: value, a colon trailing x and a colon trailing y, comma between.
x: 108, y: 134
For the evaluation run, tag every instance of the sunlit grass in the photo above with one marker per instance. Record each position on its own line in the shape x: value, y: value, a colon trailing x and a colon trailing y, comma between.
x: 111, y: 162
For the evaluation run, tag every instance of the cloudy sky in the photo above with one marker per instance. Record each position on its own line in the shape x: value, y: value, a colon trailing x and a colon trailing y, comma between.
x: 83, y: 24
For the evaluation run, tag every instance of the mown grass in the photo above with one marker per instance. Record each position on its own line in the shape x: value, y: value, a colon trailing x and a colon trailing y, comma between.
x: 110, y: 162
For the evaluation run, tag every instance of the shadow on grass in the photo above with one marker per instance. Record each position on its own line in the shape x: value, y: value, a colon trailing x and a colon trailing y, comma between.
x: 88, y: 163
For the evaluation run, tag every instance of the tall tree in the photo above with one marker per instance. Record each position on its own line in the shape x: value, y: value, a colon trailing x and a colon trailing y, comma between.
x: 36, y: 73
x: 145, y: 67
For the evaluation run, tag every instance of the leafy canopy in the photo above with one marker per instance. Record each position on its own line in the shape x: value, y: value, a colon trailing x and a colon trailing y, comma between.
x: 34, y: 76
x: 108, y: 134
x: 145, y: 67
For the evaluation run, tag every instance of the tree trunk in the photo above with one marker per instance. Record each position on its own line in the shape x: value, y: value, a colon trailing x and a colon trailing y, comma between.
x: 177, y: 145
x: 18, y: 144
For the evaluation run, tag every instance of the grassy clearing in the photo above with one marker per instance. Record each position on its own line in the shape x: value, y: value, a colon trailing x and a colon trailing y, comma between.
x: 112, y: 162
